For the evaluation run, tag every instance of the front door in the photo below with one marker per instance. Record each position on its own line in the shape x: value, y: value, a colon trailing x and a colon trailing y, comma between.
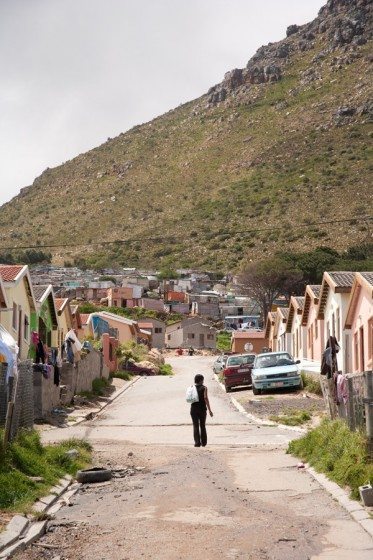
x: 201, y: 340
x: 20, y: 329
x: 362, y: 357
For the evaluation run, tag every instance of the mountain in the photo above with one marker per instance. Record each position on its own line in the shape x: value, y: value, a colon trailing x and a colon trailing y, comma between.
x: 275, y: 157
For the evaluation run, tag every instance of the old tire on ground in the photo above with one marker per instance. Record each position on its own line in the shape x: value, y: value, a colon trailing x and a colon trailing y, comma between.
x: 256, y: 391
x: 96, y: 474
x: 228, y: 389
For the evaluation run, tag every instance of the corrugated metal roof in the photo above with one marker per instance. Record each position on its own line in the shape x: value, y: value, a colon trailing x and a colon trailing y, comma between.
x: 284, y: 311
x: 300, y: 301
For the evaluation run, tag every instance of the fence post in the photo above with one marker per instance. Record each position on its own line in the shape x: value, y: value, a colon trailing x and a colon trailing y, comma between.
x: 368, y: 404
x: 351, y: 405
x: 8, y: 423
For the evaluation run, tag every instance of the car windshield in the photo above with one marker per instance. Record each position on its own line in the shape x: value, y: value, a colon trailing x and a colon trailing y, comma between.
x: 239, y: 360
x: 274, y: 360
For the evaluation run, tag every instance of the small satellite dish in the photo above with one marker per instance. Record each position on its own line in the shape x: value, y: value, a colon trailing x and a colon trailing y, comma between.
x: 248, y: 347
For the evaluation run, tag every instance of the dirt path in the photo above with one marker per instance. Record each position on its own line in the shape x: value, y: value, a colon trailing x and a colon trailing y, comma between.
x: 231, y: 500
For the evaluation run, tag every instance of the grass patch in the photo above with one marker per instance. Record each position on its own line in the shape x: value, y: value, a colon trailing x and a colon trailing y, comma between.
x: 125, y: 375
x: 26, y: 457
x: 166, y: 369
x: 223, y: 341
x: 99, y: 385
x: 311, y: 384
x: 291, y: 417
x: 333, y: 449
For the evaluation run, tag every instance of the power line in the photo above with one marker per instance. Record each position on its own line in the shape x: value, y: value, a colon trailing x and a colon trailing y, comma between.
x: 173, y: 237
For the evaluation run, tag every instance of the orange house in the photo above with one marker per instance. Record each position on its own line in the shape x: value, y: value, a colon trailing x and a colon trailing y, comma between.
x: 360, y: 320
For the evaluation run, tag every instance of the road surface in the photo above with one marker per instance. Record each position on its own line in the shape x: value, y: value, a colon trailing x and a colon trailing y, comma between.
x: 239, y: 498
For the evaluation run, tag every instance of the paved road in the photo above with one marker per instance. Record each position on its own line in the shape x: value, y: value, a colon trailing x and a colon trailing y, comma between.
x: 240, y: 498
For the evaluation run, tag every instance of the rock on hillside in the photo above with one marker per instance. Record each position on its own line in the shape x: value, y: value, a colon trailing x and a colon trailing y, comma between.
x: 274, y: 157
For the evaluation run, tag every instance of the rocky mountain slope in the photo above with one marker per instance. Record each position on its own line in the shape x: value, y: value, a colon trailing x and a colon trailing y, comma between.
x: 251, y: 167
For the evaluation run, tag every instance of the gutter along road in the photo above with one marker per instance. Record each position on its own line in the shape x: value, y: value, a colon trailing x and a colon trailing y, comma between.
x: 239, y: 498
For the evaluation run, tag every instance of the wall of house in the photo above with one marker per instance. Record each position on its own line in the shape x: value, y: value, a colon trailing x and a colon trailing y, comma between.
x: 283, y: 342
x: 174, y: 338
x: 124, y: 331
x: 238, y: 344
x: 298, y: 338
x: 198, y: 336
x: 17, y: 294
x: 158, y: 338
x: 152, y: 304
x: 315, y: 335
x: 362, y: 332
x: 334, y: 318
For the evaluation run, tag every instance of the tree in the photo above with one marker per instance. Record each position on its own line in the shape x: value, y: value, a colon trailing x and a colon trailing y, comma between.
x: 266, y: 280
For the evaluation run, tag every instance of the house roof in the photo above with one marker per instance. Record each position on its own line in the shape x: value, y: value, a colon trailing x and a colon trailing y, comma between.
x: 248, y: 334
x: 295, y: 307
x: 311, y: 296
x: 10, y: 272
x: 14, y: 273
x: 84, y: 318
x: 61, y: 303
x: 145, y: 325
x: 269, y: 323
x: 339, y: 282
x: 284, y: 311
x: 362, y: 280
x: 114, y: 317
x: 40, y: 292
x: 3, y: 298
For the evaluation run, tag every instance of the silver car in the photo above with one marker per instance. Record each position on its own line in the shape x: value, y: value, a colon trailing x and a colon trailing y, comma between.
x: 219, y: 364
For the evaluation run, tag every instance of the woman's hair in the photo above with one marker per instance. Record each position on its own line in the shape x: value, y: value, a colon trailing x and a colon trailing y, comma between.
x: 198, y: 378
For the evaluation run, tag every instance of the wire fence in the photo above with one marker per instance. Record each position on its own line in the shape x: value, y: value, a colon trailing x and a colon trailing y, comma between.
x: 16, y: 400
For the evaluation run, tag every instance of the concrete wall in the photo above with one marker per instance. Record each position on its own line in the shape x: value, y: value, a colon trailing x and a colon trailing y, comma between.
x: 80, y: 378
x: 46, y: 395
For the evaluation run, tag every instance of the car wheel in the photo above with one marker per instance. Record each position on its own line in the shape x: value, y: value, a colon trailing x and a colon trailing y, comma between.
x: 96, y: 474
x: 228, y: 389
x: 256, y: 391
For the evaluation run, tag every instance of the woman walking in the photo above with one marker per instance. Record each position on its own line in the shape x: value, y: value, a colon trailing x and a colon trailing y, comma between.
x: 198, y: 412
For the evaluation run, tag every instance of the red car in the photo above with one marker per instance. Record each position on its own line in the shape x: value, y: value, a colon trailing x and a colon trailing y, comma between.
x: 237, y: 370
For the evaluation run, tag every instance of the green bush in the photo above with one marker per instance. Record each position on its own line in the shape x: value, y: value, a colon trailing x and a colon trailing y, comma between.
x: 126, y: 375
x: 166, y: 369
x: 223, y: 341
x: 99, y: 385
x: 292, y: 417
x: 311, y: 383
x: 333, y: 449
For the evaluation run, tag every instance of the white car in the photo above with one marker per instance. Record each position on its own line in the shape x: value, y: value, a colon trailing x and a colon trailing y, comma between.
x: 219, y: 364
x: 273, y: 370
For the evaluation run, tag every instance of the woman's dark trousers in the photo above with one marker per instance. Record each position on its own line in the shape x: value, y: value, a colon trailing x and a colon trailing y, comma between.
x: 199, y: 427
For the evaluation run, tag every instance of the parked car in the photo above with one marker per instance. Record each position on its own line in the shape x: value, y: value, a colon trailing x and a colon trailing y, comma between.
x: 219, y: 364
x: 273, y: 370
x: 136, y: 369
x: 237, y: 370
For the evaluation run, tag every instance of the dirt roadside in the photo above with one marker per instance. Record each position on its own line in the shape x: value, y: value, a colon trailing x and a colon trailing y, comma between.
x: 198, y: 503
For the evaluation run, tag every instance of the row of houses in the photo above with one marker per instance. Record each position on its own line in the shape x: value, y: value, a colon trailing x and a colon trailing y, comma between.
x: 341, y: 306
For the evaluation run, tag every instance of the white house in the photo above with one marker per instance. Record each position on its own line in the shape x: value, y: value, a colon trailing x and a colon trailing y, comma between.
x: 295, y: 328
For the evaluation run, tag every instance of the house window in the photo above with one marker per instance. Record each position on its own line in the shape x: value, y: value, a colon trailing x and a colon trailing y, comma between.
x: 158, y: 330
x: 210, y: 337
x: 190, y: 335
x: 26, y: 328
x: 15, y: 316
x: 168, y: 337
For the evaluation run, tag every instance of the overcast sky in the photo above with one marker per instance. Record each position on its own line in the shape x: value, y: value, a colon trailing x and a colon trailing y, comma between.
x: 73, y: 72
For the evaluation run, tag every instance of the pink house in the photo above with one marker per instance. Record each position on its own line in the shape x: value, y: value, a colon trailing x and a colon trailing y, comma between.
x: 359, y: 319
x: 314, y: 326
